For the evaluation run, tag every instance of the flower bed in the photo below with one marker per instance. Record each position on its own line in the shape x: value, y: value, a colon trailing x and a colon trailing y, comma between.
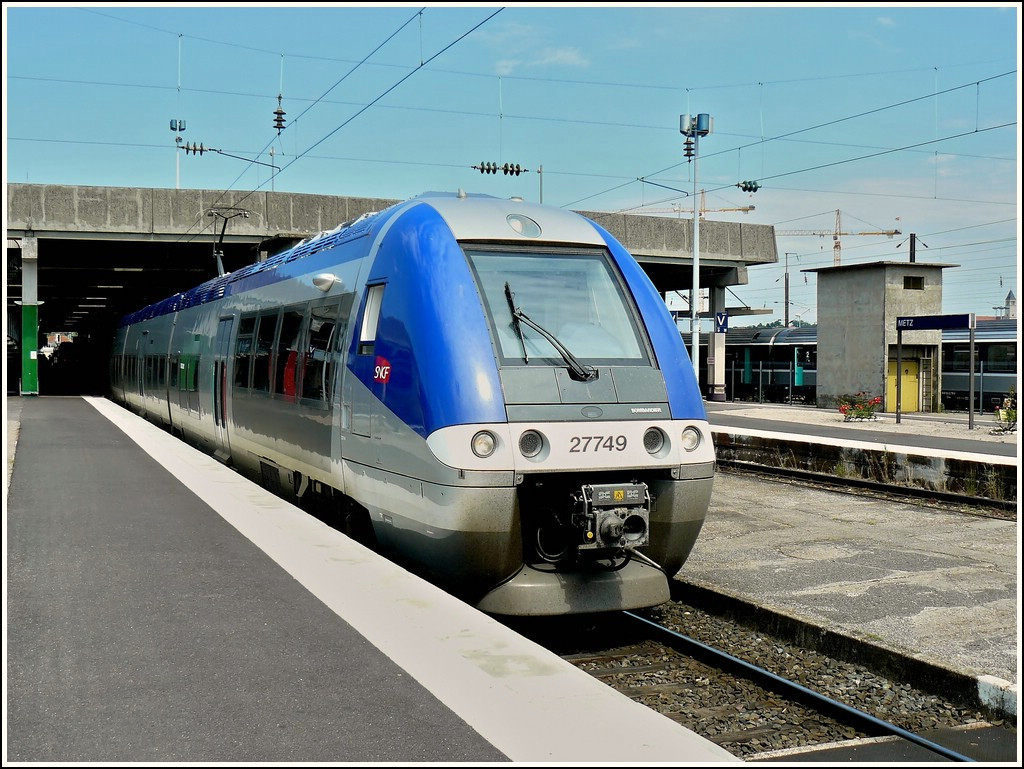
x: 1006, y: 417
x: 860, y: 407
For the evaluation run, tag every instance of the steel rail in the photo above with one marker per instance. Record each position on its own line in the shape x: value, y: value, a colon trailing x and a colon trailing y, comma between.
x: 849, y: 715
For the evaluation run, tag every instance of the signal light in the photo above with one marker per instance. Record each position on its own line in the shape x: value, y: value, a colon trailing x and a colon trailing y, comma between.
x: 749, y: 186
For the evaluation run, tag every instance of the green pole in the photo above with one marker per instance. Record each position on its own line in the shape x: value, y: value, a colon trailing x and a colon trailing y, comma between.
x: 29, y: 352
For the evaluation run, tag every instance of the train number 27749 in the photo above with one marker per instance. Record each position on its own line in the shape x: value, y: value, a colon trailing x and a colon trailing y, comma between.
x: 578, y: 444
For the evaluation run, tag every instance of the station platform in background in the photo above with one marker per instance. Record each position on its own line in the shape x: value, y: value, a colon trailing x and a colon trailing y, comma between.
x: 162, y: 608
x: 955, y: 434
x: 919, y: 582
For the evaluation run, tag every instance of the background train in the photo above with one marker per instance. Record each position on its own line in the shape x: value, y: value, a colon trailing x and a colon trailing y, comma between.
x: 779, y: 365
x: 489, y: 391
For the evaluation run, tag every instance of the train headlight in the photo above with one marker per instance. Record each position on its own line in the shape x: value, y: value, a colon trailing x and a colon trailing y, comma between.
x: 484, y: 443
x: 654, y: 440
x: 691, y: 438
x: 530, y: 443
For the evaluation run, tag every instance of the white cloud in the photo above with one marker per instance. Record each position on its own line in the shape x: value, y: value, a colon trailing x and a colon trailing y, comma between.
x: 507, y: 66
x: 563, y: 57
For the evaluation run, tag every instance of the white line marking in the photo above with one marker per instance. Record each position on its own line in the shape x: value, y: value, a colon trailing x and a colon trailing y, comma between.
x: 892, y: 448
x: 530, y: 704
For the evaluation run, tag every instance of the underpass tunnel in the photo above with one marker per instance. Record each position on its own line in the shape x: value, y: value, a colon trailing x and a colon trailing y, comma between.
x: 76, y: 291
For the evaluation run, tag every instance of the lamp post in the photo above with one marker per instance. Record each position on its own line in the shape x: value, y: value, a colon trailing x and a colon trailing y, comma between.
x: 694, y: 127
x: 178, y: 126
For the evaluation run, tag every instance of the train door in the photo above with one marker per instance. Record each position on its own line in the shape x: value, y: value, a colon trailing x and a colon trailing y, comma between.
x: 910, y: 387
x: 367, y: 366
x: 221, y: 354
x: 140, y: 367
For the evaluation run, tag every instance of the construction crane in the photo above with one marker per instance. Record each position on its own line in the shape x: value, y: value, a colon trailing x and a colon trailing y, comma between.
x: 676, y: 209
x: 836, y: 248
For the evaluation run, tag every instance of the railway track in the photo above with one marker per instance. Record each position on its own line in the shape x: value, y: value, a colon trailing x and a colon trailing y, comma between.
x: 750, y: 710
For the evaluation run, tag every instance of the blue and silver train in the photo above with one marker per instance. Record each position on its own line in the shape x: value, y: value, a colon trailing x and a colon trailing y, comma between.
x: 488, y: 391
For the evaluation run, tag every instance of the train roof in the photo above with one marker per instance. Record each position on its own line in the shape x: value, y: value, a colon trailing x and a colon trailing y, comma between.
x: 218, y: 287
x: 987, y: 330
x: 485, y: 216
x: 749, y: 335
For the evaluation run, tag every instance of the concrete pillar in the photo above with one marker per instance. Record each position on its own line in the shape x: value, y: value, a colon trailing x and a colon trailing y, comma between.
x: 30, y: 315
x: 716, y: 349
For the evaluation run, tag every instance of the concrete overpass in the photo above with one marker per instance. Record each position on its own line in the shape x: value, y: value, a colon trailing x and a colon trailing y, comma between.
x: 79, y: 257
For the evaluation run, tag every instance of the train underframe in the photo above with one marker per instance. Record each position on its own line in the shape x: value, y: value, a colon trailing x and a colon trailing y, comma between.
x: 558, y: 543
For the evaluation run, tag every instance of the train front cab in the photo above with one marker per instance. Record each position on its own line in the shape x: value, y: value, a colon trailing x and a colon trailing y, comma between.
x: 515, y: 523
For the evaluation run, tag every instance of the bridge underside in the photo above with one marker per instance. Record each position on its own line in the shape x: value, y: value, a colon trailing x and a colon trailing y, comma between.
x: 79, y: 258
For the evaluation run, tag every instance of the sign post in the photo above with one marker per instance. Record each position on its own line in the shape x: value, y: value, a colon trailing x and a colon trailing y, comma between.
x: 930, y: 323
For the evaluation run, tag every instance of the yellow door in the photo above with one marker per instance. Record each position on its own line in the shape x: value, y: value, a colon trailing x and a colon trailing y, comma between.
x: 910, y: 386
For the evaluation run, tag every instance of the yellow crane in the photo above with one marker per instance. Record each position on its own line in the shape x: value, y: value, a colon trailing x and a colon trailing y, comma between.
x: 676, y: 209
x: 836, y: 248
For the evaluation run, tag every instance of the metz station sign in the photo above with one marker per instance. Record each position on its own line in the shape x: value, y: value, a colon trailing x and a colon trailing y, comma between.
x: 929, y: 323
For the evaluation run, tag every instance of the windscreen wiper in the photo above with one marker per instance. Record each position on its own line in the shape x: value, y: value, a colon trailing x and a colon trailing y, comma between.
x: 577, y: 370
x: 515, y: 320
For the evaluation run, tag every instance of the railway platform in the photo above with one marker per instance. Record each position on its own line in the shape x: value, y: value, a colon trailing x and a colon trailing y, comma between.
x: 930, y: 587
x: 162, y: 608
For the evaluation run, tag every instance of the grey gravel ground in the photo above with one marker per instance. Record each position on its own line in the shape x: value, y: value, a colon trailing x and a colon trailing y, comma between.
x: 856, y: 686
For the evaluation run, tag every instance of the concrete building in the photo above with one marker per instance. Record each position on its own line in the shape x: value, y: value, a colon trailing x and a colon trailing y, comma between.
x: 79, y: 257
x: 857, y: 335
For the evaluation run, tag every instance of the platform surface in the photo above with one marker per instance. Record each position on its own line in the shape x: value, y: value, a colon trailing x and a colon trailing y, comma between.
x: 161, y: 608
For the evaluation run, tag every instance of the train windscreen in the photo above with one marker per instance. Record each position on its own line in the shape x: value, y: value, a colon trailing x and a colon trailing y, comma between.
x: 545, y: 306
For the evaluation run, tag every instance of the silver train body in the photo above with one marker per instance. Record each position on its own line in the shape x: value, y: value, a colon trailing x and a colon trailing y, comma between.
x: 489, y: 391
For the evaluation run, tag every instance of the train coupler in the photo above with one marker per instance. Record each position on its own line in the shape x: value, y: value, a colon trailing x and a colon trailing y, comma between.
x: 612, y: 516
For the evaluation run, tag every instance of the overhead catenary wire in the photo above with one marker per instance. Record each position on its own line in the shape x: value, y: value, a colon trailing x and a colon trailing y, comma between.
x: 380, y: 96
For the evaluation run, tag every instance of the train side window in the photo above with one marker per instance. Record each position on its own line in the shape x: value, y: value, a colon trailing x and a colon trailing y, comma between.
x: 288, y: 354
x: 243, y: 350
x: 320, y: 340
x: 262, y: 355
x: 1000, y: 357
x: 371, y: 314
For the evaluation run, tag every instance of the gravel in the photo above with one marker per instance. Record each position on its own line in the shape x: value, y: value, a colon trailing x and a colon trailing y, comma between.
x: 856, y: 686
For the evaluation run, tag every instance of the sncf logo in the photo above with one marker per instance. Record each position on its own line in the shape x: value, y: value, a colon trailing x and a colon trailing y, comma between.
x: 381, y: 370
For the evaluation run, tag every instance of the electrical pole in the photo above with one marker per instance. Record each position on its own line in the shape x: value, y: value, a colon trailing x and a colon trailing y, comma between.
x: 786, y: 311
x: 693, y: 128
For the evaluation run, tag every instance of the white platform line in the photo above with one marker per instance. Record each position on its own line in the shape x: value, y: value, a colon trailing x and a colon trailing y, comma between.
x: 527, y: 702
x: 892, y: 448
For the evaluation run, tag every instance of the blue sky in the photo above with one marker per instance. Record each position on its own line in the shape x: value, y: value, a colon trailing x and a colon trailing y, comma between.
x: 900, y: 117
